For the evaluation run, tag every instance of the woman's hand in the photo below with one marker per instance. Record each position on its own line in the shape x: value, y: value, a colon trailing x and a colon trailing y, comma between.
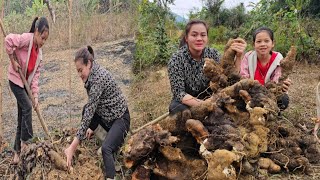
x: 286, y: 84
x: 89, y: 133
x: 69, y: 152
x: 15, y: 65
x: 239, y: 46
x: 36, y: 103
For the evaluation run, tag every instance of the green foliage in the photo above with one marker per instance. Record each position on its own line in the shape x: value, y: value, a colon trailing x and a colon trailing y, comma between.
x: 16, y: 6
x: 90, y: 6
x: 216, y: 15
x: 224, y: 23
x: 312, y: 10
x: 218, y: 34
x: 285, y: 18
x: 153, y: 45
x: 37, y: 8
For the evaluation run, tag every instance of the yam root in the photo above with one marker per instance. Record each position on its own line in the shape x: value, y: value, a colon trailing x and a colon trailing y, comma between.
x: 201, y: 111
x: 179, y: 168
x: 59, y: 162
x: 141, y: 173
x: 287, y: 64
x: 214, y: 72
x: 144, y: 142
x: 266, y: 163
x: 220, y: 164
x: 196, y: 128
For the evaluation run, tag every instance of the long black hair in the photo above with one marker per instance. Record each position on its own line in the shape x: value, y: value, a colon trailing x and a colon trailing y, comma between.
x: 41, y: 24
x: 84, y: 54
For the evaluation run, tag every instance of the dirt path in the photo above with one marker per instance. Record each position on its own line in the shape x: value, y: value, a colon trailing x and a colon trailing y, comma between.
x: 56, y: 105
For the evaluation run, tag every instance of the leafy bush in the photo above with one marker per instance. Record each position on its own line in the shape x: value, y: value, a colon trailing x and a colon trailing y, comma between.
x: 153, y: 44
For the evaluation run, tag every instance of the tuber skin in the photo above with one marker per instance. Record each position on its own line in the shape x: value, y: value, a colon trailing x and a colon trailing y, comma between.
x: 59, y: 162
x: 266, y: 163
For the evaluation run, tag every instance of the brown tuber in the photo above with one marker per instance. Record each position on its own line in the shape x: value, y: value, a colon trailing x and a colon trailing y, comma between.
x: 266, y: 163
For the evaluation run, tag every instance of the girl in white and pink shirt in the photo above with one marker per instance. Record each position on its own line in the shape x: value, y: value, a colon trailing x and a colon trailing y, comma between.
x: 263, y: 64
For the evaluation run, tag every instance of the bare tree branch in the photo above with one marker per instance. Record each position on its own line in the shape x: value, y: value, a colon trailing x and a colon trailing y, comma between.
x: 51, y: 10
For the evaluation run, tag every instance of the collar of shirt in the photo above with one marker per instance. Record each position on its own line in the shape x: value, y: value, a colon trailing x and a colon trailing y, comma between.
x: 186, y: 52
x: 94, y: 68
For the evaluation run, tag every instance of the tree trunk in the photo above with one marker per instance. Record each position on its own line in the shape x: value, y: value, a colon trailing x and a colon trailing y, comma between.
x: 51, y: 10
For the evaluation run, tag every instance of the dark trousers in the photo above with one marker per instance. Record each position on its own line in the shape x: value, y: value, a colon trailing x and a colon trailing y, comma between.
x: 24, y: 127
x: 117, y: 131
x: 176, y: 106
x: 283, y: 102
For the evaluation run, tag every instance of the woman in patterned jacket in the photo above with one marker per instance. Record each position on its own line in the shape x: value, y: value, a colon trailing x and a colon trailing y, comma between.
x: 188, y: 84
x: 106, y: 106
x: 27, y: 48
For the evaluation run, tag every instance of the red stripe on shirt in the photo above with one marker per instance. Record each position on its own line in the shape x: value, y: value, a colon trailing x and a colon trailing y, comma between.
x: 261, y: 71
x: 32, y: 60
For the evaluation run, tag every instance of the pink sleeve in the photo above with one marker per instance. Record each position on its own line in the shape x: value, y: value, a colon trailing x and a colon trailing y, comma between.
x: 13, y: 41
x: 244, y: 67
x: 276, y: 75
x: 35, y: 82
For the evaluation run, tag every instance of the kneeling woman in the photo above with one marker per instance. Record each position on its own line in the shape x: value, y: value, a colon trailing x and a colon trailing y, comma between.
x: 106, y: 106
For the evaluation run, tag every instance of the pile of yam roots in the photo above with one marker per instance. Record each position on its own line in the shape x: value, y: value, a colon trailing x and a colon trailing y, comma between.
x: 236, y: 133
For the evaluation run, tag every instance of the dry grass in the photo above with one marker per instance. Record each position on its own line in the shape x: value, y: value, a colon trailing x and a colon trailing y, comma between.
x: 92, y: 29
x: 303, y: 94
x: 150, y: 96
x: 86, y: 28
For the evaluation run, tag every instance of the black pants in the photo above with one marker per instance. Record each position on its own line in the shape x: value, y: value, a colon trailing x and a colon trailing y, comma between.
x: 24, y: 127
x: 283, y: 102
x: 176, y: 106
x: 117, y: 131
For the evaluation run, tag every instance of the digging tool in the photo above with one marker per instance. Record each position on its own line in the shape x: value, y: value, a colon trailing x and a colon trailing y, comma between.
x: 26, y: 85
x: 151, y: 122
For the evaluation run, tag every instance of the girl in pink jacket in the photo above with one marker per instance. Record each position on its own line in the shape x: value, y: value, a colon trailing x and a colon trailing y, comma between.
x: 263, y: 64
x: 27, y: 48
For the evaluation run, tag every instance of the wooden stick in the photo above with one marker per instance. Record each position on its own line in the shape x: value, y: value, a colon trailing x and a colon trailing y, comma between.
x: 1, y: 71
x: 26, y: 85
x: 70, y: 43
x: 151, y: 122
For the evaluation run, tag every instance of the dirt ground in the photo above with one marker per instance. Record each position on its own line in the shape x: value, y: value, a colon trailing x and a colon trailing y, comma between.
x: 62, y: 97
